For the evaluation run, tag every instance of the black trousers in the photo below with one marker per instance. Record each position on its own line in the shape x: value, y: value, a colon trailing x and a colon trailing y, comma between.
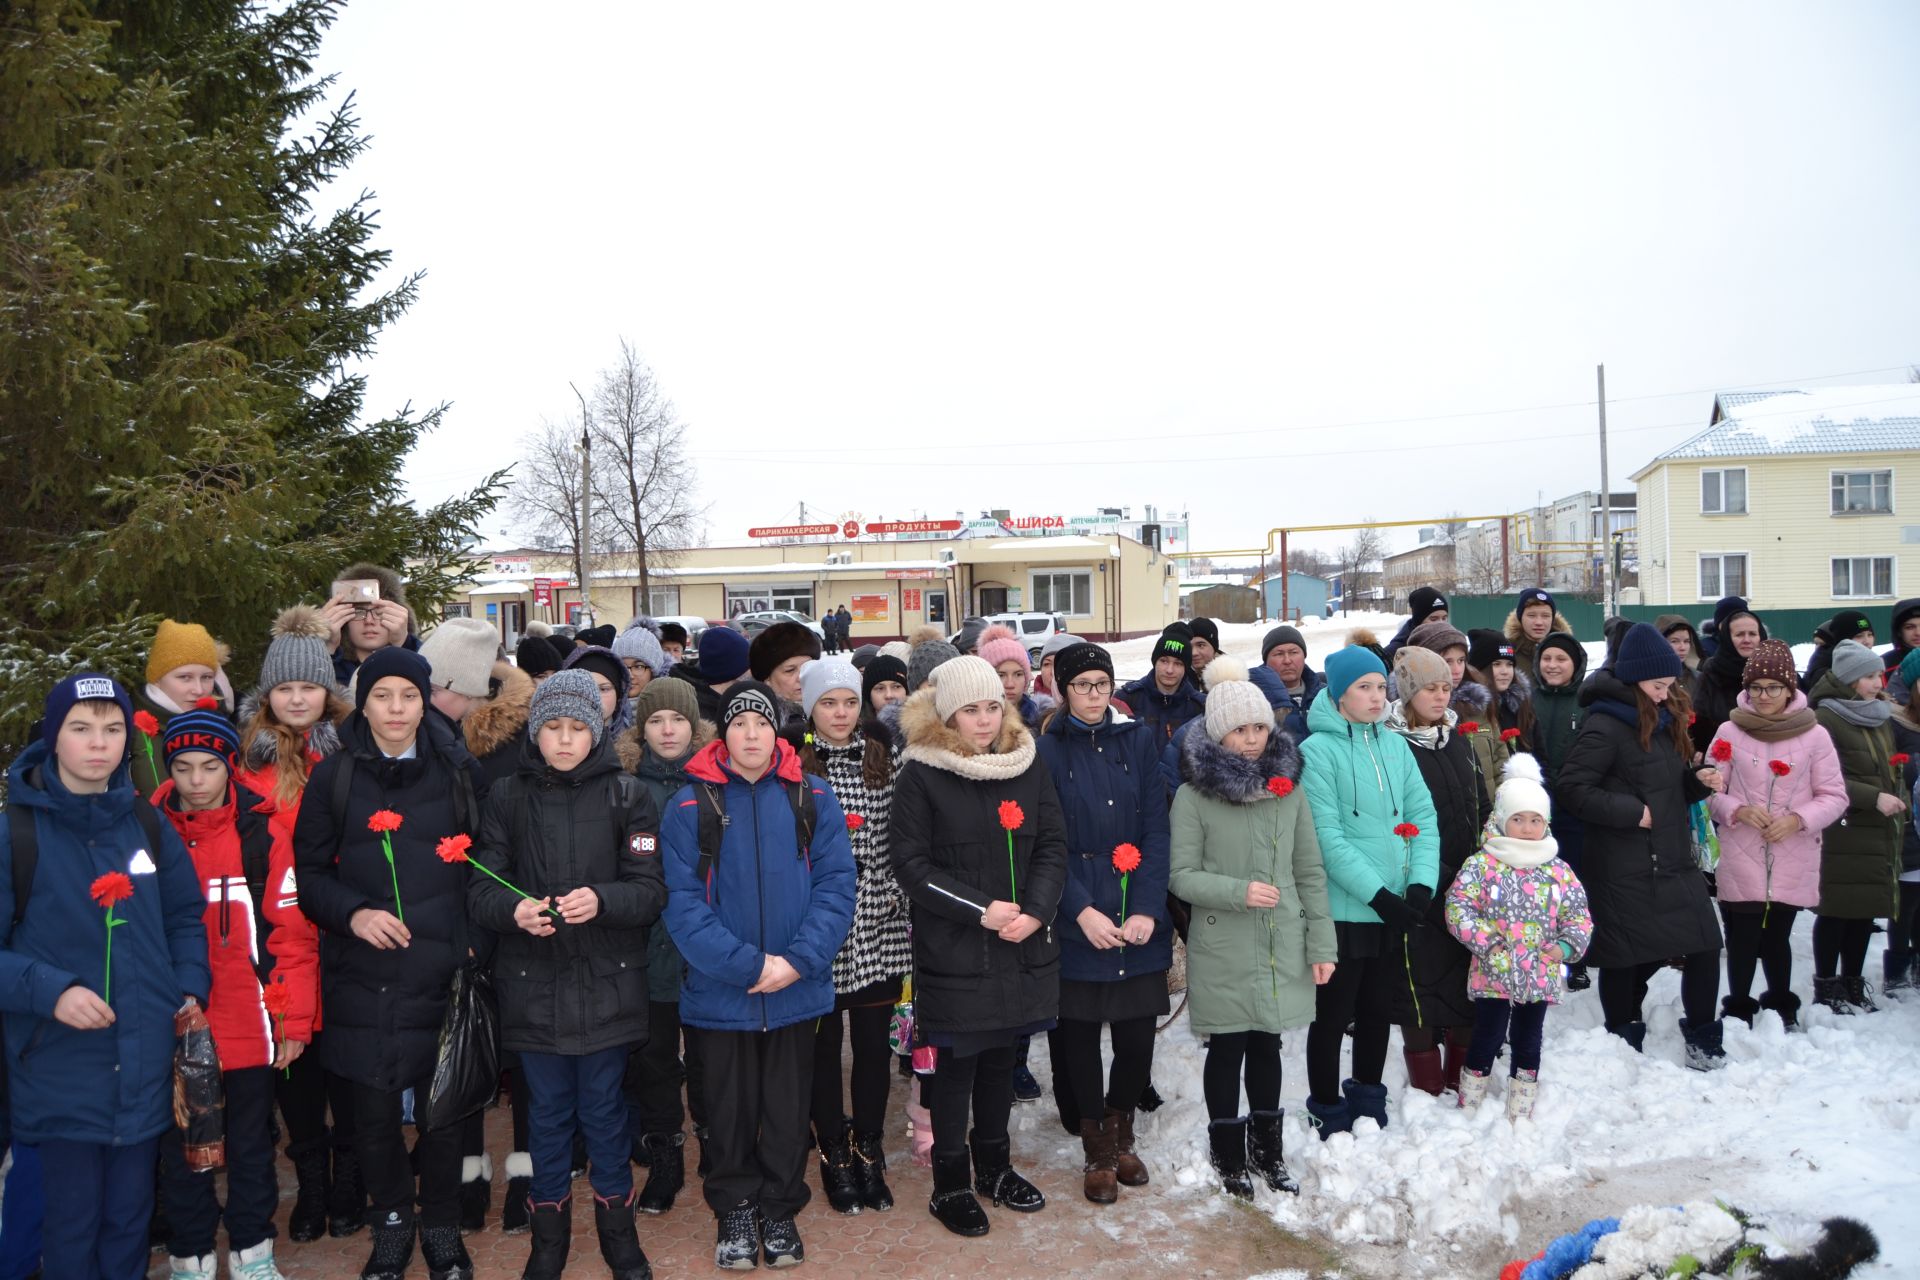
x: 866, y: 1026
x: 982, y: 1082
x: 1762, y: 938
x: 1074, y: 1047
x: 381, y: 1141
x: 192, y: 1199
x: 1840, y: 946
x: 1358, y: 993
x: 655, y: 1073
x: 1623, y: 991
x: 1259, y: 1053
x: 758, y: 1084
x: 306, y: 1092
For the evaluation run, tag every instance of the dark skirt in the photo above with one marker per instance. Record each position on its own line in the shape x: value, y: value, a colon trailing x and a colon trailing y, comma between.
x: 1144, y: 995
x: 886, y: 991
x: 1360, y: 940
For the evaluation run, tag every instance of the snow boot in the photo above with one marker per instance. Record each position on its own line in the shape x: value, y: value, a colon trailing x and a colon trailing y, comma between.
x: 1025, y: 1087
x: 1096, y: 1144
x: 620, y: 1238
x: 308, y: 1220
x: 666, y: 1171
x: 1150, y: 1099
x: 516, y: 1215
x: 737, y: 1243
x: 1366, y: 1100
x: 1426, y: 1071
x: 1227, y: 1145
x: 1832, y: 993
x: 253, y: 1264
x: 994, y: 1178
x: 1858, y: 994
x: 445, y: 1253
x: 953, y: 1203
x: 476, y: 1192
x: 1330, y: 1117
x: 780, y: 1242
x: 1896, y: 974
x: 201, y: 1268
x: 1787, y: 1005
x: 552, y: 1240
x: 392, y: 1247
x: 1473, y: 1088
x: 1129, y: 1168
x: 1634, y: 1033
x: 1266, y: 1150
x: 347, y: 1197
x: 870, y: 1172
x: 1704, y: 1051
x: 1453, y: 1052
x: 836, y: 1170
x: 1522, y: 1088
x: 1741, y: 1007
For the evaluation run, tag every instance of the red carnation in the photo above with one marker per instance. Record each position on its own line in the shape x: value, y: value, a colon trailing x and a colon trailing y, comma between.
x: 1721, y: 750
x: 1508, y: 735
x: 1010, y: 815
x: 1125, y: 858
x: 1693, y: 717
x: 208, y: 703
x: 1406, y: 831
x: 1469, y: 726
x: 384, y: 820
x: 855, y: 822
x: 1899, y: 759
x: 276, y: 999
x: 145, y: 723
x: 1282, y: 787
x: 454, y: 848
x: 113, y: 887
x: 1780, y: 768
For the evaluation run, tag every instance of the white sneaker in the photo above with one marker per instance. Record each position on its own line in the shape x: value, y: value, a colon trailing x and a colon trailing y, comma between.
x: 253, y: 1264
x: 195, y: 1268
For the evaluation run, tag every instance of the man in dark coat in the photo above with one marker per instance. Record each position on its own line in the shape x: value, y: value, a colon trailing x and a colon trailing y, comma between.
x: 1164, y: 698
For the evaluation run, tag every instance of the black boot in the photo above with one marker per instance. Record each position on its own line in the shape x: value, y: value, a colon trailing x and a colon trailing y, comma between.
x: 516, y: 1214
x: 836, y: 1171
x: 446, y: 1254
x: 666, y: 1171
x: 392, y: 1248
x: 1786, y: 1004
x: 1832, y: 993
x: 347, y: 1197
x: 1634, y: 1033
x: 1859, y: 994
x: 620, y: 1239
x: 1227, y: 1144
x: 737, y: 1245
x: 870, y: 1172
x: 994, y: 1178
x: 552, y: 1238
x: 953, y: 1202
x: 1704, y: 1051
x: 1741, y: 1007
x: 308, y: 1221
x: 1025, y: 1087
x: 476, y: 1192
x: 1265, y: 1145
x: 780, y: 1242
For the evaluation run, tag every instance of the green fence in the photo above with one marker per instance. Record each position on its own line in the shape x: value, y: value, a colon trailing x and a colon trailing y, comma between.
x: 1795, y: 626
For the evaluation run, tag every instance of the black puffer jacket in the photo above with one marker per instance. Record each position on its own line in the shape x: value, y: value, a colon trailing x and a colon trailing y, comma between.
x: 1435, y: 993
x: 583, y: 988
x: 1716, y: 691
x: 1649, y: 897
x: 950, y: 852
x: 383, y: 1009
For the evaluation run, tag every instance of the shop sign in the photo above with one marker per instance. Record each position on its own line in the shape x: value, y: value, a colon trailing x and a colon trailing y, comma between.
x: 794, y: 531
x: 914, y: 526
x: 911, y: 574
x: 871, y: 608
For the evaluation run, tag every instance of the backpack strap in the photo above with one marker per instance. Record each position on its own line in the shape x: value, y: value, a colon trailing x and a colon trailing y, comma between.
x: 26, y: 857
x: 713, y: 830
x: 149, y: 819
x: 800, y: 796
x: 342, y: 793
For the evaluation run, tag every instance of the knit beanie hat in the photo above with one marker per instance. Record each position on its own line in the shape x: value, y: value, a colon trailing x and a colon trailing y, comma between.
x: 84, y: 686
x: 1910, y: 671
x: 1438, y: 636
x: 1344, y: 666
x: 460, y: 652
x: 1076, y: 660
x: 817, y: 678
x: 1414, y: 668
x: 1279, y: 636
x: 925, y: 659
x: 600, y: 661
x: 882, y: 669
x: 899, y: 649
x: 536, y: 657
x: 1773, y: 660
x: 298, y: 651
x: 570, y: 695
x: 1520, y: 791
x: 393, y: 660
x: 639, y: 641
x: 998, y: 644
x: 1423, y: 601
x: 1176, y: 642
x: 1055, y: 644
x: 1645, y: 655
x: 673, y: 633
x: 1567, y: 644
x: 1205, y: 629
x: 962, y: 681
x: 600, y: 637
x: 1531, y: 595
x: 1846, y: 625
x: 1853, y: 661
x: 723, y: 655
x: 1232, y: 703
x: 778, y: 643
x: 1222, y: 669
x: 200, y: 728
x: 668, y: 693
x: 750, y: 696
x: 1486, y: 647
x: 180, y: 644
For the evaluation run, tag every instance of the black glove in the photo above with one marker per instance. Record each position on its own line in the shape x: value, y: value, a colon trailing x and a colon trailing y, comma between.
x: 1393, y: 910
x: 1419, y: 898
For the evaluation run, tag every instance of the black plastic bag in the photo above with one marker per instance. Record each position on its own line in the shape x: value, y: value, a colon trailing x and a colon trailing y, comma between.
x: 466, y: 1069
x: 199, y: 1092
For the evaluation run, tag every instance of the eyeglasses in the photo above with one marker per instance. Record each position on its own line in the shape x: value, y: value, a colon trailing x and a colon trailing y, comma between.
x: 1767, y: 690
x: 1092, y: 688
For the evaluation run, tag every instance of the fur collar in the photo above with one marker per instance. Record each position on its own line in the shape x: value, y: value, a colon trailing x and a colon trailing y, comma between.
x: 262, y: 753
x: 1523, y: 647
x: 1220, y: 774
x: 1472, y: 701
x: 932, y: 743
x: 497, y: 721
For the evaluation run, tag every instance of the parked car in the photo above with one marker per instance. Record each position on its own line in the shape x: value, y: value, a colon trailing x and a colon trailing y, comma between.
x: 1034, y: 629
x: 754, y: 623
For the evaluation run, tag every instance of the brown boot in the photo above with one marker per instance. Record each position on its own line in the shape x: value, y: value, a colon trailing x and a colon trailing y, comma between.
x: 1425, y: 1071
x: 1096, y: 1140
x: 1128, y: 1167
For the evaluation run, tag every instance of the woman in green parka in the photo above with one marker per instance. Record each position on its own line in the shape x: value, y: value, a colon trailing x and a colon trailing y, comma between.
x: 1261, y: 937
x: 1860, y: 854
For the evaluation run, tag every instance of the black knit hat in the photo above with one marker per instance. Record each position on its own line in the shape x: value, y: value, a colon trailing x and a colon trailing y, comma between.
x: 1532, y: 595
x: 1174, y: 642
x: 1846, y: 625
x: 1281, y: 635
x: 749, y: 695
x: 776, y: 644
x: 1562, y: 641
x: 1077, y: 660
x: 600, y: 637
x: 391, y: 661
x: 883, y: 668
x: 1423, y: 601
x: 535, y: 656
x: 1485, y: 647
x: 1205, y: 629
x: 601, y: 662
x: 672, y: 633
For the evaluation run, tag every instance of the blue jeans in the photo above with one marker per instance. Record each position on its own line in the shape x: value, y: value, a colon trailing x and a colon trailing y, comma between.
x: 99, y: 1203
x: 1490, y: 1023
x: 21, y: 1213
x: 567, y: 1092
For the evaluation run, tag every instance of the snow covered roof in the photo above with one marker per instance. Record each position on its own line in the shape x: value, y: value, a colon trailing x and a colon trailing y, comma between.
x: 1860, y: 419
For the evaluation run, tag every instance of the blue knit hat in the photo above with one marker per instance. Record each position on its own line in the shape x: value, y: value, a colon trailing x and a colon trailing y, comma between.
x: 1646, y: 655
x: 1347, y: 665
x: 723, y: 654
x: 83, y: 686
x: 200, y: 729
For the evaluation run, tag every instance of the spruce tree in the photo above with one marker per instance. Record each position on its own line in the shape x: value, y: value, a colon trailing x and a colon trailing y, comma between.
x: 180, y: 408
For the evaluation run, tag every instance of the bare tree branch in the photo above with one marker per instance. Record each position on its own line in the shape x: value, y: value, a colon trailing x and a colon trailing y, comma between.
x: 643, y: 479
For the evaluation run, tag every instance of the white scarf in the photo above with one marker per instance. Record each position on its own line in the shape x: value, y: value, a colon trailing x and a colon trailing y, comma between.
x: 1521, y: 855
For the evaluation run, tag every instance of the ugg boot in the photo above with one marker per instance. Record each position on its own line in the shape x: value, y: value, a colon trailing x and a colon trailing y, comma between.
x: 666, y: 1171
x: 1330, y: 1118
x: 476, y: 1192
x: 308, y: 1220
x: 1634, y: 1033
x: 392, y: 1246
x: 1787, y: 1005
x: 994, y: 1178
x: 1366, y: 1100
x: 1704, y: 1051
x: 1227, y: 1145
x: 1522, y: 1088
x: 953, y: 1203
x: 870, y: 1172
x: 1096, y: 1144
x: 1129, y: 1168
x: 1832, y: 993
x: 836, y: 1170
x: 552, y: 1240
x: 620, y: 1239
x: 1473, y: 1088
x: 1425, y: 1071
x: 516, y: 1215
x: 1266, y: 1143
x: 1741, y: 1007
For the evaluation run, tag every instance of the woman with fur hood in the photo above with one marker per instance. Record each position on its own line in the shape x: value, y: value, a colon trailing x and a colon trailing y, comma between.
x: 1473, y: 702
x: 1534, y: 618
x: 979, y: 844
x: 1245, y: 855
x: 289, y: 724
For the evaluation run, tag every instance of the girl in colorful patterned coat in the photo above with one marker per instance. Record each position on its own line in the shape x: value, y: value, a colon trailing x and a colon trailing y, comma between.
x: 1523, y: 914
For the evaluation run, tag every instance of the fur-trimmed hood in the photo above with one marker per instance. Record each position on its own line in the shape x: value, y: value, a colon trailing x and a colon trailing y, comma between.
x: 932, y: 743
x: 262, y: 753
x: 1472, y: 701
x: 1217, y: 772
x: 1523, y: 647
x: 494, y: 723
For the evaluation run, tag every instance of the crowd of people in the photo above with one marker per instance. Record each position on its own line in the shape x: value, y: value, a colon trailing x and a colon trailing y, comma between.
x: 700, y: 881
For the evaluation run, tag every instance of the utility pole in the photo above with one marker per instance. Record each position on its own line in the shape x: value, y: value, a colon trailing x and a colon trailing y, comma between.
x: 586, y: 510
x: 1609, y: 581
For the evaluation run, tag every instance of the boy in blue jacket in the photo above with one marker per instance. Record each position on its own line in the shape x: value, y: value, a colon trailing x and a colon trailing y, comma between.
x: 758, y: 920
x: 91, y: 1079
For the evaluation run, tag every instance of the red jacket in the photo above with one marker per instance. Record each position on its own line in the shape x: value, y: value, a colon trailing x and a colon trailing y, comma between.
x: 280, y: 821
x: 246, y: 874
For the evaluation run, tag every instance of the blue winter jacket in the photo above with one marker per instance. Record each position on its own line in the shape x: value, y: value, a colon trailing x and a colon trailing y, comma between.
x: 1111, y: 793
x: 1362, y: 782
x: 111, y: 1087
x: 1291, y: 712
x: 763, y: 895
x: 1162, y: 713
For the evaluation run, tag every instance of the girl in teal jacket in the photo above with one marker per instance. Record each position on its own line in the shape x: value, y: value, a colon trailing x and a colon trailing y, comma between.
x: 1375, y: 822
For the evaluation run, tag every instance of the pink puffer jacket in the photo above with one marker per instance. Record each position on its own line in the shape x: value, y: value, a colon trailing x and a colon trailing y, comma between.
x: 1813, y: 788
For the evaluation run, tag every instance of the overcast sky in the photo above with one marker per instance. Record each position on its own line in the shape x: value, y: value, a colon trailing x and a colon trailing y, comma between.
x: 1274, y: 264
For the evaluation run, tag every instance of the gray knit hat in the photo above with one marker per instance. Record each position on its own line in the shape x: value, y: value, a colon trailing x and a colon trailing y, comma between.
x: 639, y: 641
x: 461, y: 652
x: 298, y: 651
x: 669, y: 693
x: 818, y: 678
x: 1854, y: 661
x: 924, y: 658
x: 1232, y: 703
x: 1055, y: 644
x: 571, y: 694
x: 961, y: 681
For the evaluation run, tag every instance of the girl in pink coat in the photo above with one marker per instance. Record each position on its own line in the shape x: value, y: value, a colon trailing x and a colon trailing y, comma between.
x: 1784, y: 786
